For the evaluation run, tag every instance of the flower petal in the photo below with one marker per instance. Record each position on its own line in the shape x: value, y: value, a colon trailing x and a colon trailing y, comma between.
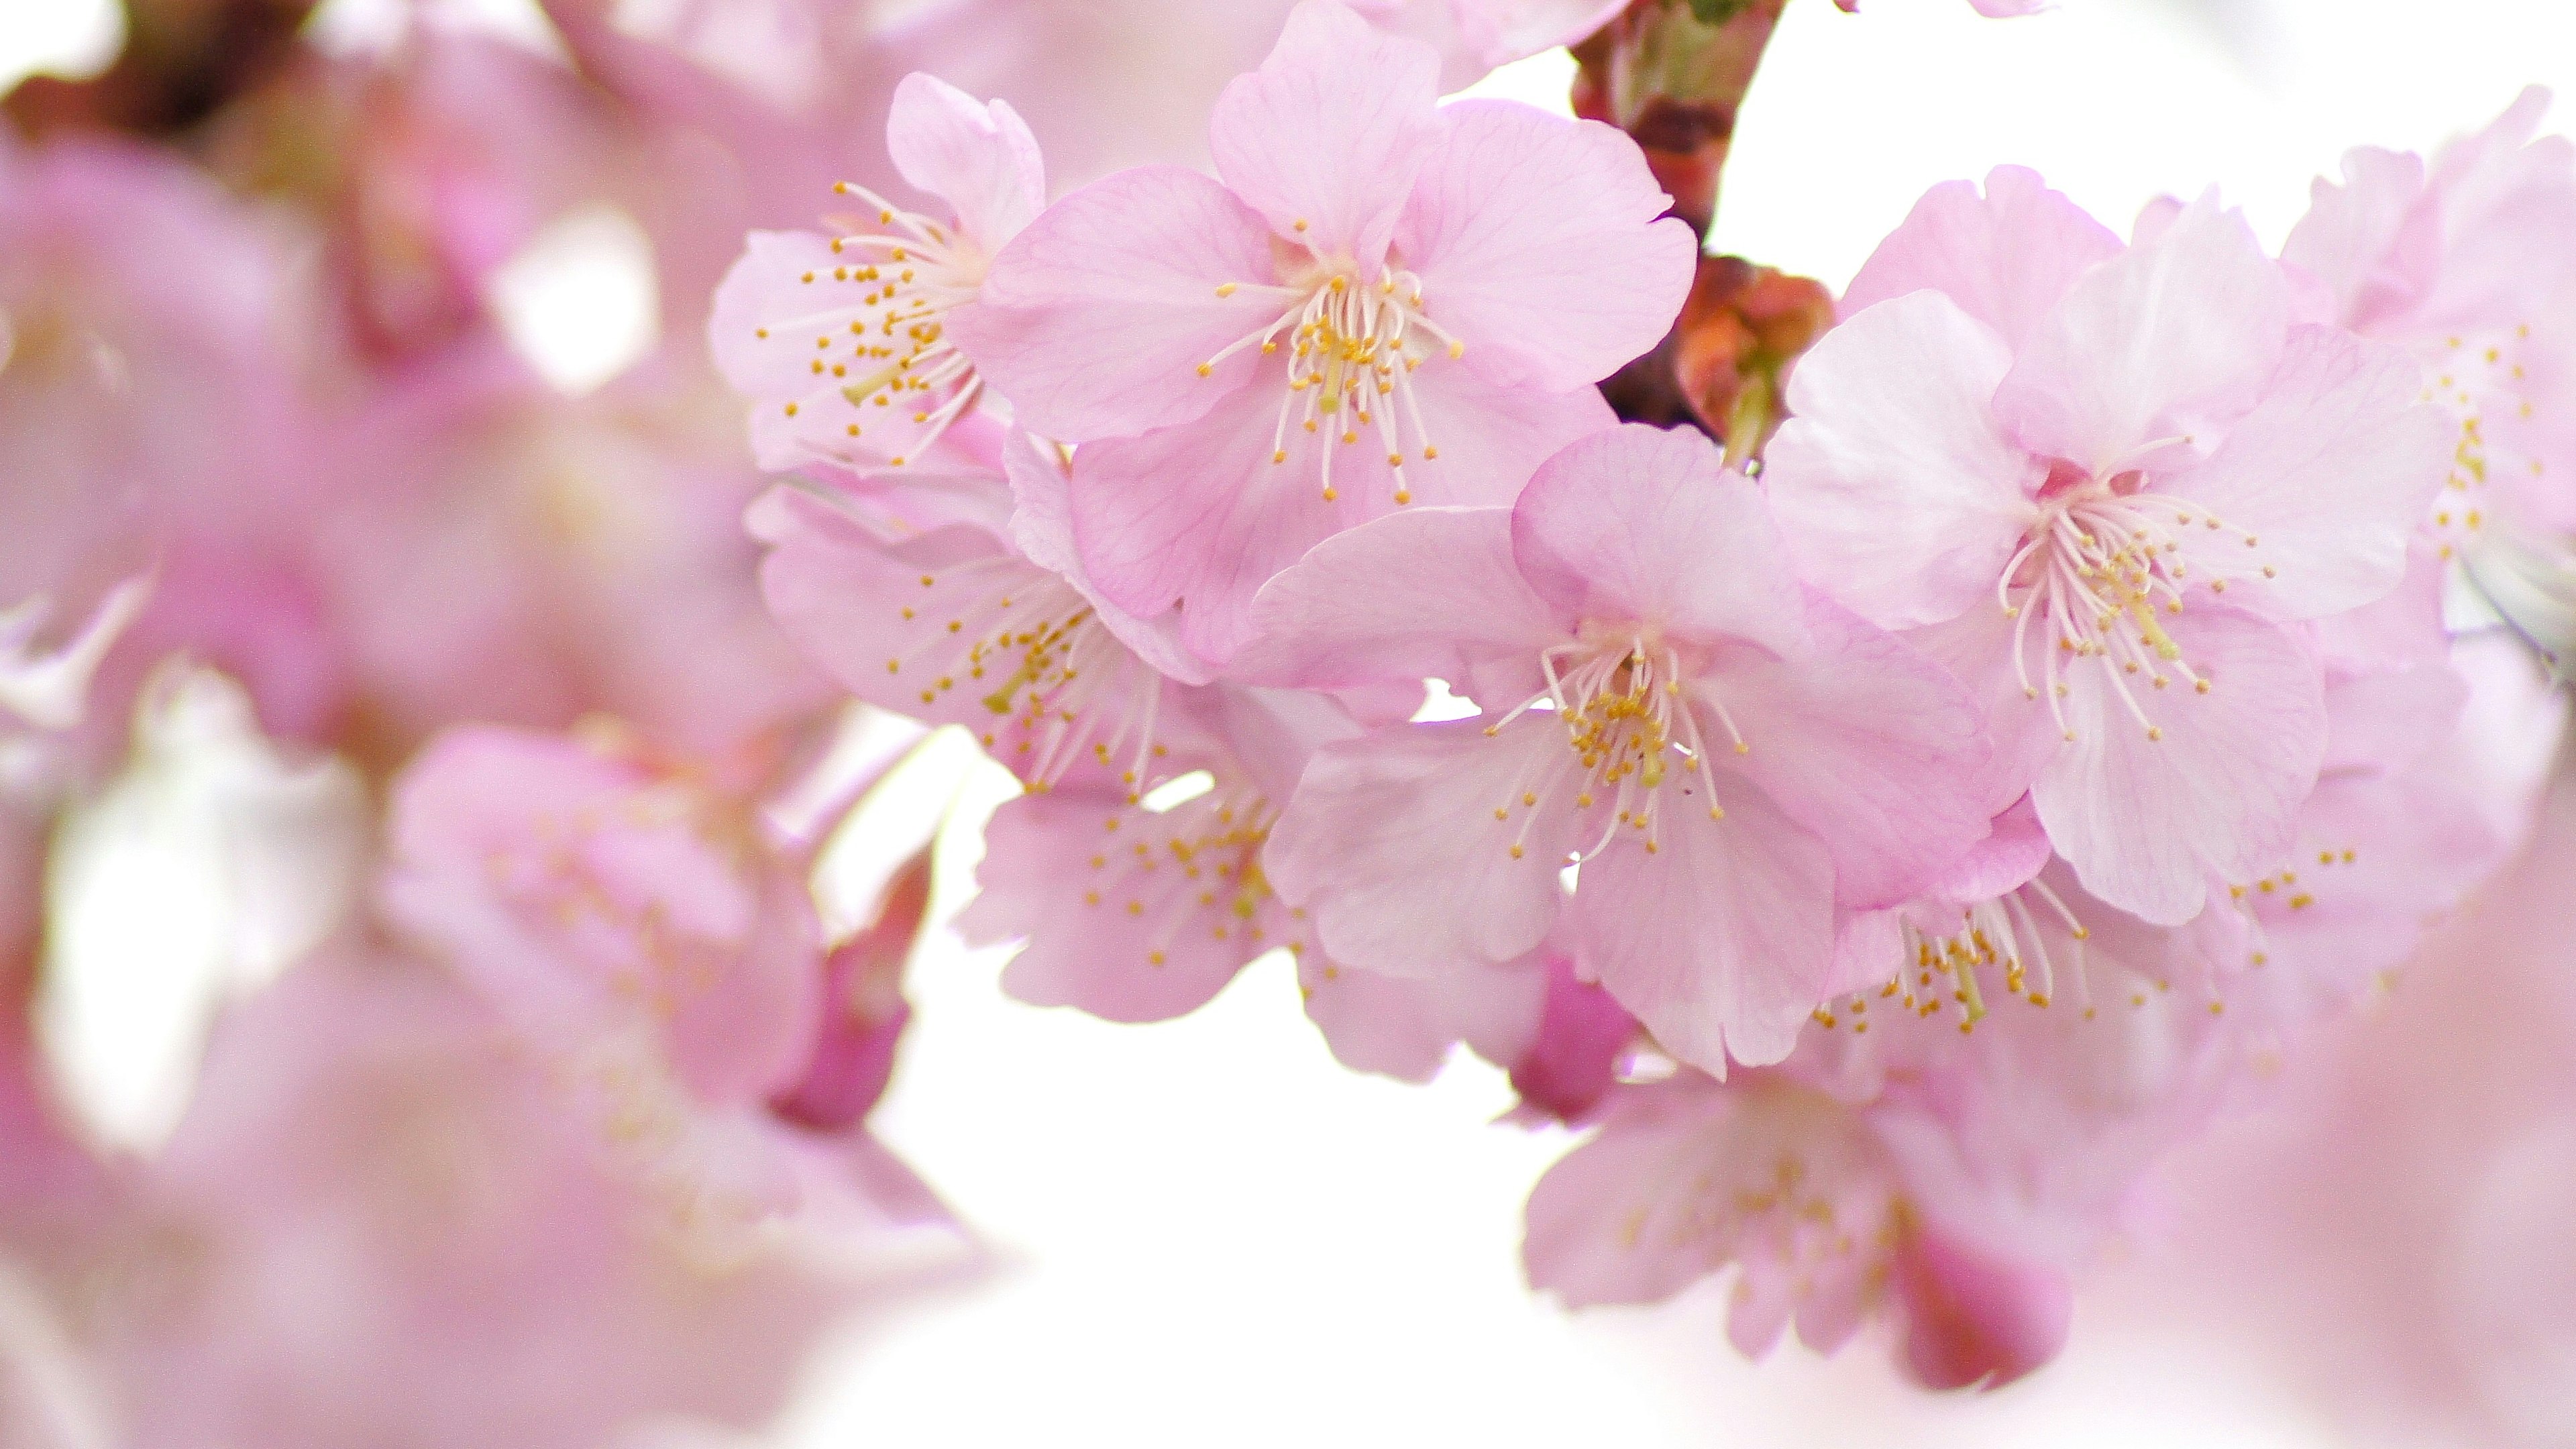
x: 1114, y: 923
x: 1393, y: 844
x: 2151, y: 345
x: 1200, y: 516
x: 1538, y: 245
x: 978, y: 158
x: 1095, y: 320
x: 2005, y: 258
x: 1326, y: 137
x: 2323, y: 484
x: 1425, y: 593
x: 1722, y: 939
x: 1642, y: 524
x: 1896, y: 490
x: 1870, y: 745
x: 2147, y: 821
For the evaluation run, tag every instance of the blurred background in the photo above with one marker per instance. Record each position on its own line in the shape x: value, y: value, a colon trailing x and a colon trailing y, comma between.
x: 1210, y: 1233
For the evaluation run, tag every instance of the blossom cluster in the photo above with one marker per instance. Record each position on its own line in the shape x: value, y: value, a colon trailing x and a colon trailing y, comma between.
x: 1893, y: 842
x: 1883, y: 776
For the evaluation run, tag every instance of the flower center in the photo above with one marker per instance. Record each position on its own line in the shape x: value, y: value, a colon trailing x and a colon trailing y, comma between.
x: 2098, y: 570
x: 1195, y: 867
x: 1353, y: 348
x: 2479, y: 378
x: 888, y: 348
x: 1060, y: 683
x: 1631, y: 728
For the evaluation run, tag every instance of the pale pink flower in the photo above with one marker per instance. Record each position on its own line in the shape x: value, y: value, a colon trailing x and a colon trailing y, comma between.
x: 629, y: 920
x: 1727, y: 754
x: 380, y: 1224
x: 2109, y: 488
x: 2470, y: 264
x: 1142, y: 909
x: 1794, y: 1193
x: 993, y: 628
x: 1384, y: 302
x: 841, y: 340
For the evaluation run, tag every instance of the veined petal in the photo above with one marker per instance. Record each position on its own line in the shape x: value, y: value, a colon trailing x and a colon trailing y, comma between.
x: 1537, y: 243
x: 1125, y: 916
x: 2005, y: 257
x: 1896, y: 489
x: 978, y: 158
x: 2152, y: 345
x: 1042, y: 526
x: 1425, y: 845
x: 1870, y: 745
x: 2147, y: 820
x: 1644, y: 524
x: 1721, y: 940
x: 1326, y: 137
x: 2323, y: 484
x: 1425, y: 593
x: 1202, y: 516
x: 1096, y: 319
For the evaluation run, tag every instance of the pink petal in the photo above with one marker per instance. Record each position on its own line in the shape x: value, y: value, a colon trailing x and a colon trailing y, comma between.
x: 980, y: 159
x: 1042, y: 526
x: 1326, y: 137
x: 1404, y: 1027
x: 2151, y: 345
x: 1538, y: 245
x: 2368, y: 241
x: 1201, y: 517
x: 2005, y: 258
x: 1868, y: 744
x: 2146, y: 822
x: 1095, y: 914
x: 1640, y: 524
x: 1573, y: 1061
x: 1896, y: 490
x: 1095, y: 321
x: 1722, y: 940
x: 1393, y: 845
x: 1603, y: 1222
x: 1975, y: 1317
x: 2331, y: 474
x: 1424, y: 593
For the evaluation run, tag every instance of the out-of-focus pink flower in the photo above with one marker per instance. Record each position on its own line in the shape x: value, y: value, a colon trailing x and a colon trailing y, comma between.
x: 1795, y: 1194
x: 149, y: 348
x: 380, y: 1225
x: 842, y: 340
x: 2470, y: 264
x: 2108, y: 488
x: 1727, y: 754
x: 497, y: 544
x: 629, y: 920
x: 1383, y: 301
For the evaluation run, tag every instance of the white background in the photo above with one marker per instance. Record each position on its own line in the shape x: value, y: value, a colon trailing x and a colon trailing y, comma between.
x: 1211, y: 1235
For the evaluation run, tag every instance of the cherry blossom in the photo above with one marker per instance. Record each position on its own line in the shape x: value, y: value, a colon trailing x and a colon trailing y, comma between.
x: 2089, y: 479
x: 1727, y: 755
x: 1383, y: 301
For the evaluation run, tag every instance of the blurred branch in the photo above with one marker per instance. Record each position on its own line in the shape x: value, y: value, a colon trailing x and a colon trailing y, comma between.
x: 182, y: 60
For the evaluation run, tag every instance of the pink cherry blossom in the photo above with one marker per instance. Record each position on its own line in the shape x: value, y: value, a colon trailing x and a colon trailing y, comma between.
x: 629, y: 922
x: 380, y: 1224
x: 962, y: 625
x: 2467, y: 264
x: 2109, y: 493
x: 842, y: 340
x: 1384, y: 301
x: 1795, y: 1194
x: 1726, y: 754
x: 1142, y: 908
